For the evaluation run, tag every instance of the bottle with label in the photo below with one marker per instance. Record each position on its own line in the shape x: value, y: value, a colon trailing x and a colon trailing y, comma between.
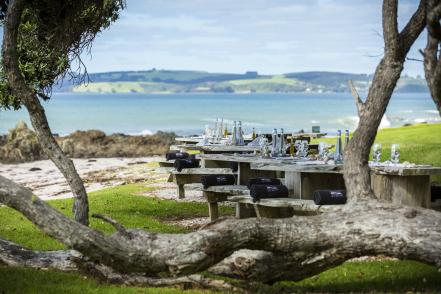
x: 226, y: 130
x: 215, y: 128
x: 346, y: 138
x: 282, y: 147
x: 234, y: 135
x: 274, y: 143
x: 338, y: 149
x: 241, y: 140
x: 291, y: 147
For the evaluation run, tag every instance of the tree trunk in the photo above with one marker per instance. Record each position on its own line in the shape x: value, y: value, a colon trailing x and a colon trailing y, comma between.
x: 397, y: 45
x: 37, y: 114
x: 432, y: 61
x: 302, y: 246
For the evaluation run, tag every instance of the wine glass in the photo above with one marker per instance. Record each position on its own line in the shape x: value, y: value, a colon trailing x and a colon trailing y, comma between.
x: 376, y: 153
x: 395, y: 153
x: 323, y: 150
x: 298, y: 144
x: 304, y: 148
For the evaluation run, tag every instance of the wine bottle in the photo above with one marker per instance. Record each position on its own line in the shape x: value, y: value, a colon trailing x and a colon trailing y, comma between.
x: 346, y: 138
x: 338, y: 150
x: 254, y: 134
x: 241, y: 141
x: 274, y: 143
x: 291, y: 147
x: 234, y: 135
x: 282, y: 150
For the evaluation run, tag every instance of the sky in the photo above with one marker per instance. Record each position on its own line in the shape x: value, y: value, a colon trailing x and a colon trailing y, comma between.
x: 235, y: 36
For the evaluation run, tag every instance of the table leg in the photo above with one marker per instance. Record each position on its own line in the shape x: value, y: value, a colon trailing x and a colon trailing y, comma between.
x: 181, y: 191
x: 213, y: 210
x: 403, y: 190
x: 244, y: 210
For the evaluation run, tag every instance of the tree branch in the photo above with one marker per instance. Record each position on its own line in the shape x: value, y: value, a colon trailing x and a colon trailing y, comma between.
x: 358, y: 102
x: 120, y: 228
x: 390, y: 27
x: 413, y: 28
x: 37, y: 113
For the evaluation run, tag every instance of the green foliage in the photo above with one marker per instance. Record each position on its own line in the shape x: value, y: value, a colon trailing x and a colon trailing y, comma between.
x: 52, y: 34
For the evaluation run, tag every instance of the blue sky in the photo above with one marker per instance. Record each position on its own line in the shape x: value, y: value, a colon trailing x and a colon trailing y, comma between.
x: 269, y: 36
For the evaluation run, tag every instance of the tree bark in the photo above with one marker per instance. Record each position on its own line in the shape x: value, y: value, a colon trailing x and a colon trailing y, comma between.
x: 432, y: 60
x: 37, y: 113
x: 387, y: 73
x: 301, y: 246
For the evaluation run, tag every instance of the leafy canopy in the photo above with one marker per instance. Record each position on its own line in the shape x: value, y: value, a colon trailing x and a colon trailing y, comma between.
x: 52, y: 35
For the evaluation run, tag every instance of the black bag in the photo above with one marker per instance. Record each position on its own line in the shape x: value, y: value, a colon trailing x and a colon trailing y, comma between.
x: 176, y: 155
x: 190, y: 162
x: 234, y: 166
x: 329, y: 197
x: 258, y: 192
x: 217, y: 180
x: 263, y: 181
x: 435, y: 192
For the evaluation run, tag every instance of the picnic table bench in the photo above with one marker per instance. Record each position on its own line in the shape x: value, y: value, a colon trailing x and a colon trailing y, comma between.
x: 193, y: 175
x: 399, y: 183
x: 245, y: 207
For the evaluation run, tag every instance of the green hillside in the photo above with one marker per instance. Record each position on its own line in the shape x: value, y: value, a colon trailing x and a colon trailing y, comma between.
x: 168, y: 81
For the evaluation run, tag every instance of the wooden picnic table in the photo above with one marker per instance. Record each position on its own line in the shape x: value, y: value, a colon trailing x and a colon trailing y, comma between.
x: 219, y: 148
x: 400, y: 184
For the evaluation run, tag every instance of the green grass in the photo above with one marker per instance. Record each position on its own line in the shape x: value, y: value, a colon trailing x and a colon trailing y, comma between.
x: 21, y: 281
x: 418, y: 143
x: 122, y: 203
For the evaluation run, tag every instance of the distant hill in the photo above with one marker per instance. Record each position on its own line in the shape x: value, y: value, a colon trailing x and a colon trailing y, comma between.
x: 171, y: 81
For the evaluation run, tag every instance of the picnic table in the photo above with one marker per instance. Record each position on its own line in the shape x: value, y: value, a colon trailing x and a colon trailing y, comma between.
x: 401, y: 184
x: 397, y: 183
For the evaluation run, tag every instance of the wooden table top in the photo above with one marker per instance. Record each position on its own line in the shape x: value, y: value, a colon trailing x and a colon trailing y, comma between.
x: 220, y: 148
x: 288, y: 164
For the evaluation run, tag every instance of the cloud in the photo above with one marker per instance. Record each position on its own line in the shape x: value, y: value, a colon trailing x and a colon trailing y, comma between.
x: 271, y: 36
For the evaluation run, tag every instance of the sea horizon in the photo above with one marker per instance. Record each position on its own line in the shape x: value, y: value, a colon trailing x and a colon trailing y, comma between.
x: 188, y: 113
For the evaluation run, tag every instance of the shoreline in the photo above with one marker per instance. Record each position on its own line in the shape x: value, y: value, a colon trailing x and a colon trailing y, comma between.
x: 46, y: 181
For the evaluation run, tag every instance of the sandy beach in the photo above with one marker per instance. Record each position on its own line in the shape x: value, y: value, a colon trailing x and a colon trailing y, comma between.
x: 46, y: 181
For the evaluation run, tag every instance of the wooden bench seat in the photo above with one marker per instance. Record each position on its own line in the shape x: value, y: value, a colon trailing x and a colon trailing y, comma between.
x: 277, y: 207
x: 267, y: 207
x: 217, y: 194
x: 193, y: 175
x: 167, y: 163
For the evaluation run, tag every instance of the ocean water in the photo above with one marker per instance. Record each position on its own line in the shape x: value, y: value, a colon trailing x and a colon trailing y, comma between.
x: 189, y: 113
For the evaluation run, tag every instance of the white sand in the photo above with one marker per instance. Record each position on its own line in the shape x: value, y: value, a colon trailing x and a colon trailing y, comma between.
x: 48, y: 183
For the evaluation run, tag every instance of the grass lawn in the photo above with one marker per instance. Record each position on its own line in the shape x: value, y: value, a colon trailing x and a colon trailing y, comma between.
x: 418, y: 143
x: 126, y: 204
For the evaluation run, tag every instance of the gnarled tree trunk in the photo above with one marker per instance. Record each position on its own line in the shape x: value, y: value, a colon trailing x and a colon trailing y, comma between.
x: 432, y: 60
x: 36, y: 111
x: 397, y: 45
x: 301, y: 246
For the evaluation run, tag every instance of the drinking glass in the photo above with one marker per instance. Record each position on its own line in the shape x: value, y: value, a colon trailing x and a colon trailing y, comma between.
x: 305, y: 148
x: 298, y: 144
x: 395, y: 153
x: 323, y: 150
x: 376, y: 153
